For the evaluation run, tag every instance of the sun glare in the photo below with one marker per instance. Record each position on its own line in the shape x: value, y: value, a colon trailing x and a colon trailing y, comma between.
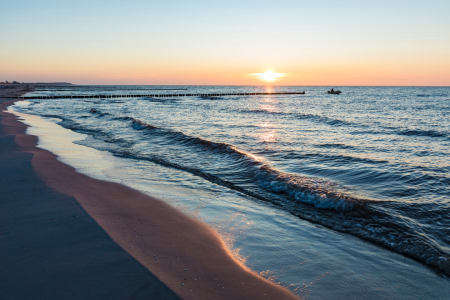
x: 269, y: 76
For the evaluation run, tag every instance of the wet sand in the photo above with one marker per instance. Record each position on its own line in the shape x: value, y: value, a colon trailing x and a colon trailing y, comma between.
x: 55, y: 246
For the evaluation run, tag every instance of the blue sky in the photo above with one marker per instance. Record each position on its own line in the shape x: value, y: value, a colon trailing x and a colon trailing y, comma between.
x: 195, y: 40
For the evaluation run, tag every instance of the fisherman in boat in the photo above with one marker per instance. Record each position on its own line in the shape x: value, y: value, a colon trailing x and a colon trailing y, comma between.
x: 334, y: 92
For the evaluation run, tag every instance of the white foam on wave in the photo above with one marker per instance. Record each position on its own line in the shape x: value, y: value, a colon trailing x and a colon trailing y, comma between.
x: 319, y: 193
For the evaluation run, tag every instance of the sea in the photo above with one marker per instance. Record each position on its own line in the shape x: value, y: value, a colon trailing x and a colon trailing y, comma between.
x: 332, y: 196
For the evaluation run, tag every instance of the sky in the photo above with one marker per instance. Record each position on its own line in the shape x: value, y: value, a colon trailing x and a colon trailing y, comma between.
x: 322, y: 42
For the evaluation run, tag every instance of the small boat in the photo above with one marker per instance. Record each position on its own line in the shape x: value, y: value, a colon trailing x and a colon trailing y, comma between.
x: 334, y: 92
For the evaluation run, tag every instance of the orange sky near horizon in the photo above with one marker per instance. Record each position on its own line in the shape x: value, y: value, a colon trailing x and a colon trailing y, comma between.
x: 343, y: 74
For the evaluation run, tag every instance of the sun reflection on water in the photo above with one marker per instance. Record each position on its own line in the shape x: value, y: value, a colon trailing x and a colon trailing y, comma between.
x: 268, y: 132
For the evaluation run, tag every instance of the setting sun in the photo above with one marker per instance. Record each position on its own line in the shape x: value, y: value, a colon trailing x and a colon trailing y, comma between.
x: 269, y: 76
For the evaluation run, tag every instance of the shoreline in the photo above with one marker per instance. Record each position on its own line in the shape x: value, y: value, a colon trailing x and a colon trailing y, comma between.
x: 158, y: 236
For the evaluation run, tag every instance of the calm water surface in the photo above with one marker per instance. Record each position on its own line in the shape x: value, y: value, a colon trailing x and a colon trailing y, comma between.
x: 370, y: 164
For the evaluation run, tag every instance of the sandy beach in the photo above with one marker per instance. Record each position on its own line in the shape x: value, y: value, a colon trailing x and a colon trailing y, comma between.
x: 70, y: 236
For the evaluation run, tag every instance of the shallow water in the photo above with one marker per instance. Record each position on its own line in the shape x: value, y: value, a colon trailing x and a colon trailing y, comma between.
x: 371, y: 163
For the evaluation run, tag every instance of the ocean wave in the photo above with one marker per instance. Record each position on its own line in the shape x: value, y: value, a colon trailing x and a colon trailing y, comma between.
x: 320, y: 194
x: 335, y: 158
x: 426, y: 133
x: 314, y: 191
x: 339, y: 146
x: 159, y: 100
x: 318, y: 201
x: 316, y: 118
x: 262, y: 111
x: 185, y: 139
x: 52, y: 116
x: 431, y: 95
x: 338, y: 122
x: 97, y: 133
x: 403, y: 132
x: 195, y: 171
x: 326, y: 120
x: 74, y: 126
x: 139, y: 125
x: 98, y: 113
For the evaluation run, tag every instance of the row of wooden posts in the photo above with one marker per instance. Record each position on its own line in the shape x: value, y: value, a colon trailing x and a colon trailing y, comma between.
x: 153, y: 95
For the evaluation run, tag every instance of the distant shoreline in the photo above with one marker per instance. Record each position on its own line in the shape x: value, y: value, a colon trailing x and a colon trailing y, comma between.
x: 37, y: 83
